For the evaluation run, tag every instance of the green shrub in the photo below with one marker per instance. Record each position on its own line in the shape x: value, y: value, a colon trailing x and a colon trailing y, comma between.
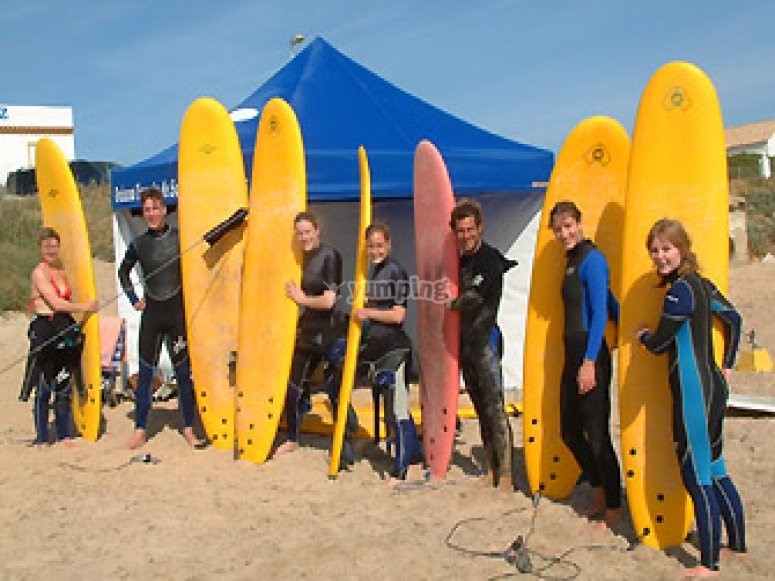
x: 99, y: 220
x: 743, y: 166
x: 761, y: 201
x: 20, y: 222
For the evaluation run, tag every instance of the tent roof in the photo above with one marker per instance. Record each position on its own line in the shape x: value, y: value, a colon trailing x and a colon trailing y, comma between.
x: 341, y: 105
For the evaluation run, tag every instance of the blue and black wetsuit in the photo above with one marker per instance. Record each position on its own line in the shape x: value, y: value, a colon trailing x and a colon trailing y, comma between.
x: 481, y: 287
x: 700, y: 395
x: 162, y: 320
x: 388, y: 287
x: 315, y: 333
x: 585, y: 419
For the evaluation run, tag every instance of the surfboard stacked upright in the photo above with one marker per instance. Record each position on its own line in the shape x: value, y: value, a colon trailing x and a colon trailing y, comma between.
x: 591, y: 170
x: 241, y: 325
x: 675, y: 168
x: 211, y: 181
x: 438, y: 327
x: 62, y: 210
x: 267, y: 328
x: 354, y: 326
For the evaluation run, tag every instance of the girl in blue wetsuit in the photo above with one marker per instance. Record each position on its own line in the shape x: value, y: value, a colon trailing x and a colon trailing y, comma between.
x: 698, y: 386
x: 585, y: 397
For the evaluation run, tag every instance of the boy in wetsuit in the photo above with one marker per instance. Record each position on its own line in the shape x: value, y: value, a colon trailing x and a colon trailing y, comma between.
x: 481, y: 286
x: 163, y: 315
x: 316, y: 297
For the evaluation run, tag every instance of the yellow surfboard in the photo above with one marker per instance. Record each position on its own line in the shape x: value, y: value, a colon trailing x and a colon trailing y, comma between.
x: 677, y: 170
x: 61, y: 207
x: 267, y: 326
x: 591, y: 170
x: 354, y: 328
x: 211, y: 187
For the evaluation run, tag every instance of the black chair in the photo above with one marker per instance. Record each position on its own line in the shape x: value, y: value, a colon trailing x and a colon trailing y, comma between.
x: 382, y: 376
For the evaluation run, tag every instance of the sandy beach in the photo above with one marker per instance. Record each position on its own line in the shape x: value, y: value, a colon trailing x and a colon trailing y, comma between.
x: 91, y: 512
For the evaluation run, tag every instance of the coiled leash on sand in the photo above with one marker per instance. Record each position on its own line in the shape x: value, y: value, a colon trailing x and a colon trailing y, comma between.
x: 138, y: 459
x: 518, y: 554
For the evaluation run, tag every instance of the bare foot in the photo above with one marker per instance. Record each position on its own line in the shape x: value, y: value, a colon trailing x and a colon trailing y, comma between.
x: 699, y: 571
x: 597, y: 508
x: 392, y: 482
x: 415, y: 474
x: 137, y: 440
x: 505, y: 485
x: 612, y: 516
x: 732, y: 555
x: 596, y: 527
x: 592, y: 511
x: 286, y: 448
x: 487, y: 479
x: 191, y: 439
x: 67, y: 442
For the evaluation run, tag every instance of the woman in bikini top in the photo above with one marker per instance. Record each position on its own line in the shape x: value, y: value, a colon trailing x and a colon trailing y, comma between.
x: 49, y: 290
x: 54, y: 354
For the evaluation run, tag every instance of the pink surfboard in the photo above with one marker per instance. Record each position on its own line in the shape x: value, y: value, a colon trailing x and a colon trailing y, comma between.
x: 438, y: 327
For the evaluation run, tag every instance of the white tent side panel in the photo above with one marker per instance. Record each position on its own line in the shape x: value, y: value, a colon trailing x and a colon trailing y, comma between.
x: 511, y: 224
x: 125, y: 228
x: 513, y: 312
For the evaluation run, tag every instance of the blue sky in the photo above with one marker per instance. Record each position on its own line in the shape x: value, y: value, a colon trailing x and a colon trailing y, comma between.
x: 529, y: 71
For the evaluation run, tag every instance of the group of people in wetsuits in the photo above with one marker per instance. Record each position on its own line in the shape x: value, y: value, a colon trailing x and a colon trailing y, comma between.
x: 699, y: 387
x: 684, y: 332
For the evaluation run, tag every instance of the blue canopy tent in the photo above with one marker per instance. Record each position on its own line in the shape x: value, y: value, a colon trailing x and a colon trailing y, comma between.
x: 341, y: 105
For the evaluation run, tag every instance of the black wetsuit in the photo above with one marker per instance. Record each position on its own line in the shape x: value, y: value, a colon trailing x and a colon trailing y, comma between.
x: 388, y: 286
x: 53, y: 364
x: 700, y: 395
x: 481, y: 287
x: 162, y: 320
x: 316, y: 331
x: 585, y: 419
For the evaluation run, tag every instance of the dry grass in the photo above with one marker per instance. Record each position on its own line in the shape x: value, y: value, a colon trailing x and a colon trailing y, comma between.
x: 20, y: 222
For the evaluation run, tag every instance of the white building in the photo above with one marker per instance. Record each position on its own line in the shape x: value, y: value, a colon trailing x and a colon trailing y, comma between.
x: 22, y: 126
x: 757, y: 138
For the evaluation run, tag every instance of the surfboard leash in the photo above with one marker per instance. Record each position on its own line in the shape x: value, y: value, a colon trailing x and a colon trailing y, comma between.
x: 518, y: 554
x: 138, y: 459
